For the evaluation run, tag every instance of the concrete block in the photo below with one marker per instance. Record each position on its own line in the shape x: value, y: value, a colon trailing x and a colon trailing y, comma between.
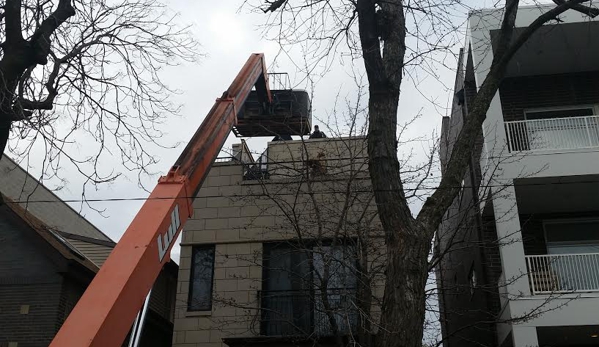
x: 231, y: 170
x: 251, y: 211
x: 230, y: 190
x: 198, y: 336
x: 245, y: 260
x: 208, y: 192
x: 226, y: 234
x: 228, y: 261
x: 225, y: 285
x: 244, y: 248
x: 205, y: 323
x: 217, y: 224
x: 245, y: 284
x: 251, y: 234
x: 184, y: 280
x: 203, y: 236
x: 178, y: 336
x: 239, y: 223
x: 194, y: 224
x: 224, y: 311
x: 237, y: 272
x: 220, y: 274
x: 205, y: 213
x: 216, y: 181
x: 219, y: 201
x: 199, y: 203
x: 256, y: 247
x: 237, y: 297
x: 216, y: 336
x: 229, y: 212
x: 185, y: 263
x: 255, y: 272
x: 186, y: 324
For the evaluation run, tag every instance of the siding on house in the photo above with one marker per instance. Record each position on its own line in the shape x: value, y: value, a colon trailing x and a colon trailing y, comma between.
x: 30, y: 285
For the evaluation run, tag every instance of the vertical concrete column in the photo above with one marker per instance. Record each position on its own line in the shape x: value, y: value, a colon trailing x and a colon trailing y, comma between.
x: 525, y: 336
x: 509, y: 234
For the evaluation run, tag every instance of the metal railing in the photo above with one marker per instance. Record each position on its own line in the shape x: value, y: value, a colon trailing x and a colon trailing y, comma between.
x: 553, y: 133
x: 258, y: 170
x: 301, y: 312
x: 563, y: 273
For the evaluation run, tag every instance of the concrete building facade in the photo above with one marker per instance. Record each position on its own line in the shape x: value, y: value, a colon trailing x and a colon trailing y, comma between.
x: 280, y: 247
x: 521, y: 241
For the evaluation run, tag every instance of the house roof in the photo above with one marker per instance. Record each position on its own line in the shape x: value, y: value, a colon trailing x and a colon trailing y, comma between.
x: 52, y: 217
x: 18, y: 185
x: 34, y: 200
x: 51, y: 236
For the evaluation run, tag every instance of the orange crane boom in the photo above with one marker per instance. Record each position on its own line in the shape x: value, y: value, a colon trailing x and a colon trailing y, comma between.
x: 104, y: 314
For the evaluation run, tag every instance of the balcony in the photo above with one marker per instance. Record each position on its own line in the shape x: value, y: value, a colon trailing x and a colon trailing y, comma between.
x: 553, y: 134
x: 563, y: 273
x: 303, y: 313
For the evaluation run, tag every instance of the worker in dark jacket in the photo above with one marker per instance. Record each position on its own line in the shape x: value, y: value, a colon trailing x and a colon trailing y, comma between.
x: 317, y: 134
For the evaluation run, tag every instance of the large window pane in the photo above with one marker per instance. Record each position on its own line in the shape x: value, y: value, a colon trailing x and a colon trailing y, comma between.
x: 200, y: 283
x: 336, y: 267
x: 292, y: 299
x: 286, y: 294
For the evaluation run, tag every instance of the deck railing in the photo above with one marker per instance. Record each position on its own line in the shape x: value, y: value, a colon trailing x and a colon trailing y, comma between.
x: 553, y: 133
x: 563, y: 273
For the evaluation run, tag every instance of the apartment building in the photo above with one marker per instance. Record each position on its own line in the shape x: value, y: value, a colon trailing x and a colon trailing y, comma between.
x: 283, y: 249
x: 48, y: 256
x: 520, y: 244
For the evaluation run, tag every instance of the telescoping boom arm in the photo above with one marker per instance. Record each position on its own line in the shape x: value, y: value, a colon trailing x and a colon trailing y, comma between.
x: 107, y: 309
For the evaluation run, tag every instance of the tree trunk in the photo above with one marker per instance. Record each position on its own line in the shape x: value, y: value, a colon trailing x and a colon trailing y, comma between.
x: 407, y: 245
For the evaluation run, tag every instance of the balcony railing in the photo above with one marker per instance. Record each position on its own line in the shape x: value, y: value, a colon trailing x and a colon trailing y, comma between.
x: 302, y: 313
x: 553, y: 133
x: 563, y: 273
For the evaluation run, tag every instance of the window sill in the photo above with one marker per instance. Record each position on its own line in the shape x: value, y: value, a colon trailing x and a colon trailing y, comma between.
x: 198, y: 313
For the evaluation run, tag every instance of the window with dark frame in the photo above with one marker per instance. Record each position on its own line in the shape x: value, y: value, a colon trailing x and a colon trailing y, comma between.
x: 472, y: 279
x: 200, y: 282
x: 291, y: 295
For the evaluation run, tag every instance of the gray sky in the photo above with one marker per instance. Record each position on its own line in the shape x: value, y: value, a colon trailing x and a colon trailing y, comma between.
x: 228, y: 36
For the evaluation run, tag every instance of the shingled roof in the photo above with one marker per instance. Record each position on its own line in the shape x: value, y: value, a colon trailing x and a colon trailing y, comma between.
x: 34, y: 200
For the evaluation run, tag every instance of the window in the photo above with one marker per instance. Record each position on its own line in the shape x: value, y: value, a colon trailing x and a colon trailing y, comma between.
x: 292, y: 299
x: 572, y: 236
x: 200, y: 283
x: 558, y: 128
x: 573, y: 245
x: 558, y: 112
x: 472, y: 280
x: 461, y: 192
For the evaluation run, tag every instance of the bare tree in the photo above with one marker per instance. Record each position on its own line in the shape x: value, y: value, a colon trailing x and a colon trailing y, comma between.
x: 388, y: 34
x: 87, y: 73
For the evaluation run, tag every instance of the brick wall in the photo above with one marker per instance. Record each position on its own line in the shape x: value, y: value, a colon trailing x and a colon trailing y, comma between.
x: 459, y: 239
x: 29, y: 286
x: 28, y: 313
x: 520, y: 93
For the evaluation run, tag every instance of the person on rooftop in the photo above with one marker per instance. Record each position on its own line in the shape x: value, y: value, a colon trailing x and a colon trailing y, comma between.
x: 317, y: 134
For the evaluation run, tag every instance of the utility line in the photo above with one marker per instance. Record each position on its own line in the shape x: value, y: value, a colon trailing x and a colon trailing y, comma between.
x: 282, y: 194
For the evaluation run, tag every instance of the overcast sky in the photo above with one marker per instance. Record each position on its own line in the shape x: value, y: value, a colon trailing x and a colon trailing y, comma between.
x: 228, y: 36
